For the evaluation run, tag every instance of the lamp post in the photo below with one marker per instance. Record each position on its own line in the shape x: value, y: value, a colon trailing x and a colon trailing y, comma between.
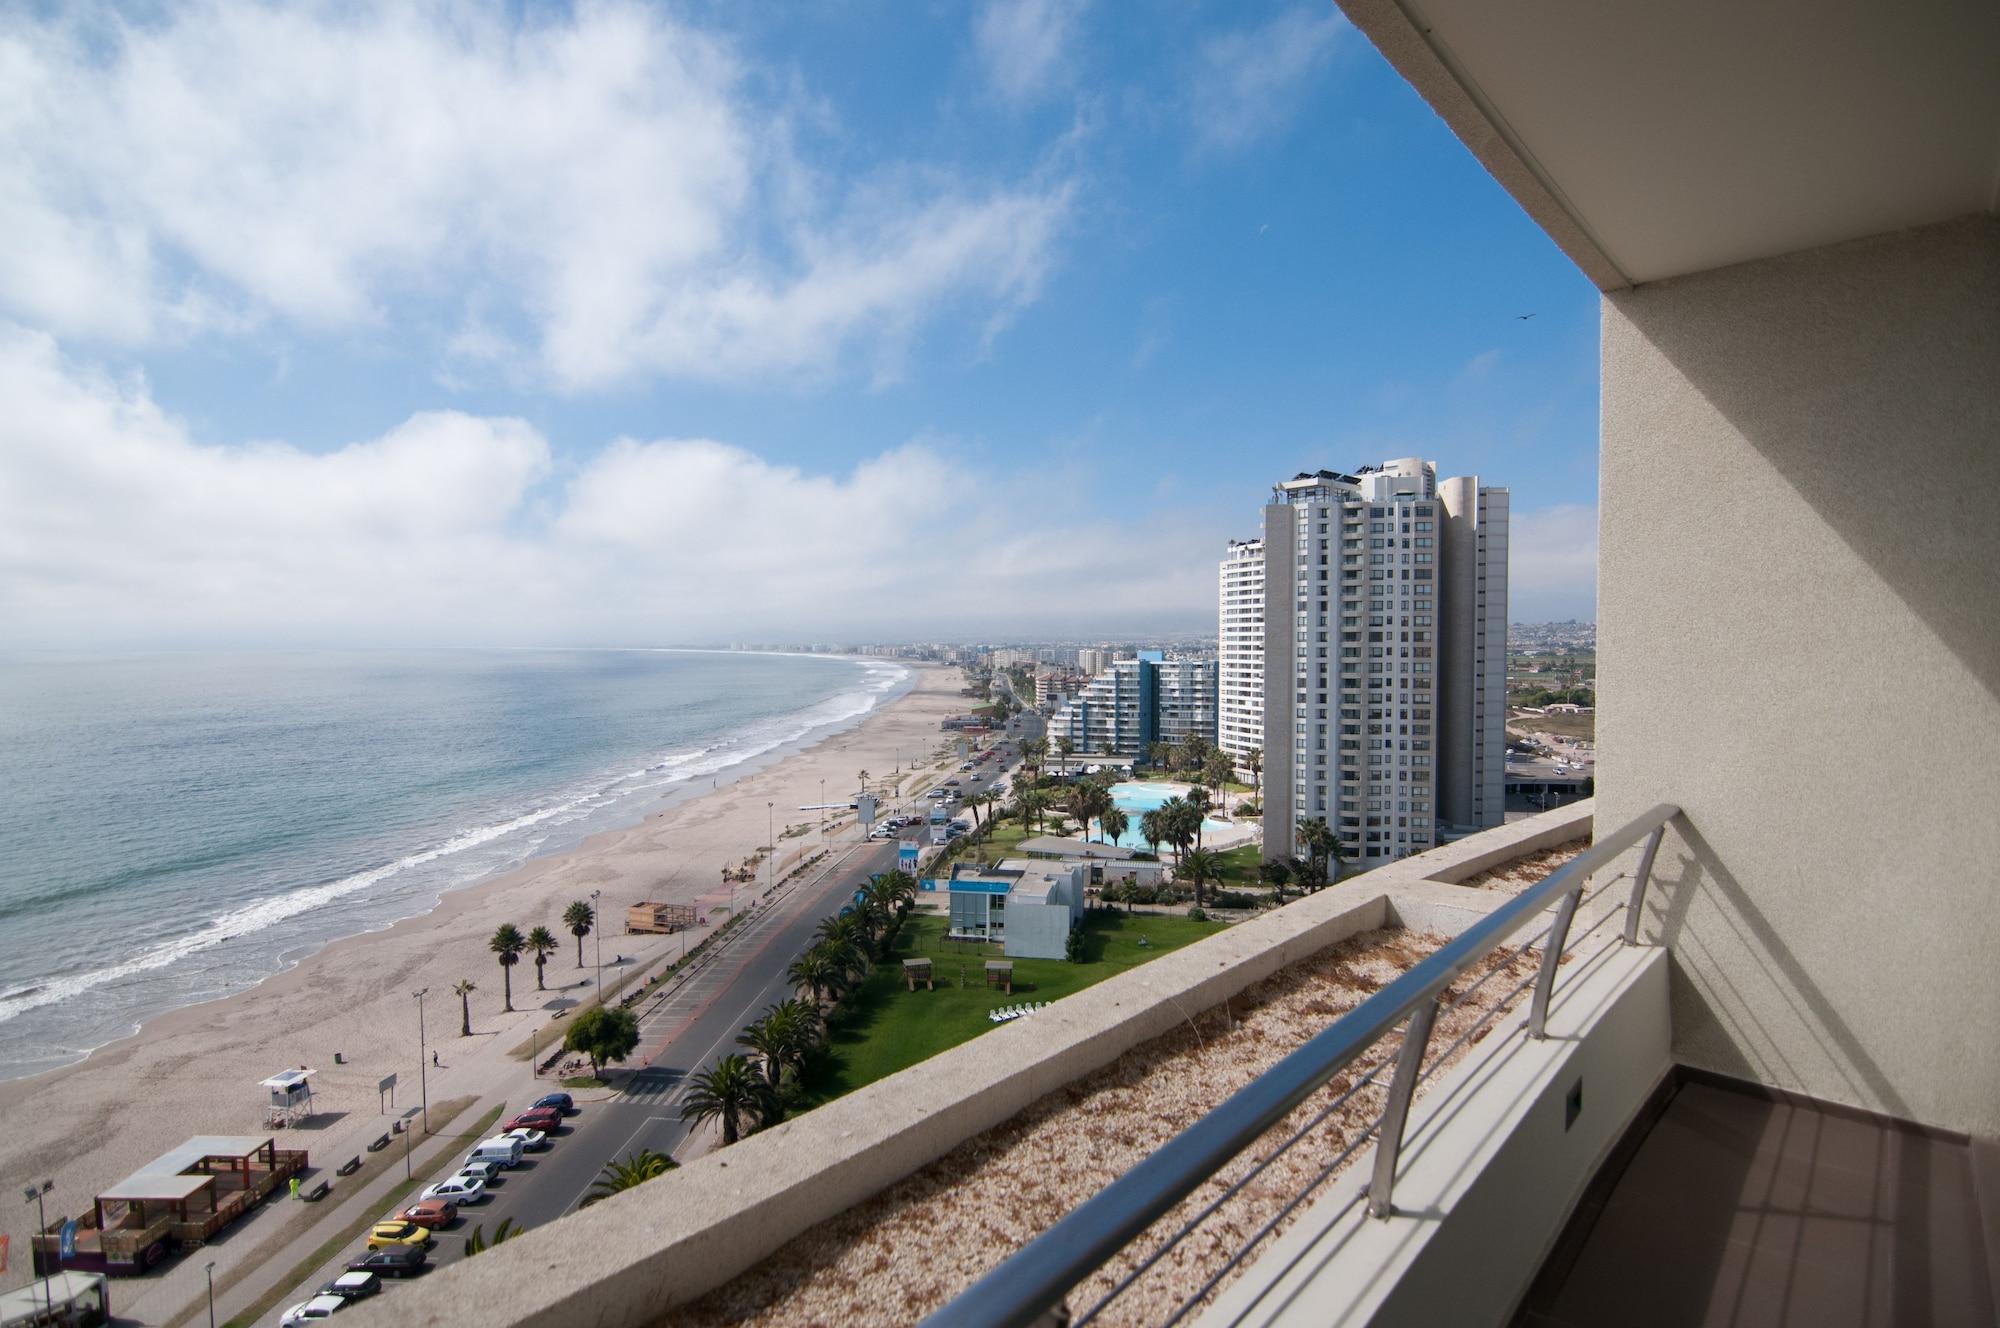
x: 597, y: 937
x: 423, y: 1059
x: 822, y: 813
x: 34, y: 1194
x: 770, y: 858
x: 209, y: 1268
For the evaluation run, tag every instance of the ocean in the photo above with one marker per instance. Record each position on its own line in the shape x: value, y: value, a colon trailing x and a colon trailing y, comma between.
x: 177, y: 827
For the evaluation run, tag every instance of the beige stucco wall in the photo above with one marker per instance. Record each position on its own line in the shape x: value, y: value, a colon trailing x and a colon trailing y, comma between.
x: 1799, y: 637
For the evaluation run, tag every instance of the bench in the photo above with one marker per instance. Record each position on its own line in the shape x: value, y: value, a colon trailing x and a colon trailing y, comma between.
x: 317, y: 1192
x: 351, y: 1165
x: 379, y: 1144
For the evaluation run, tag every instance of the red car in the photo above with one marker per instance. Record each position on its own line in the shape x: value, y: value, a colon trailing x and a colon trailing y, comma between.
x: 544, y: 1119
x: 432, y: 1213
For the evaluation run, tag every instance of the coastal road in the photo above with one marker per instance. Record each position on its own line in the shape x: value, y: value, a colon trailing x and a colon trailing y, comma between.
x: 685, y: 1034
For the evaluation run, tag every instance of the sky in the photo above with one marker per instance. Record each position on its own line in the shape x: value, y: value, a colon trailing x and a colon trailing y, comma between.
x: 641, y: 324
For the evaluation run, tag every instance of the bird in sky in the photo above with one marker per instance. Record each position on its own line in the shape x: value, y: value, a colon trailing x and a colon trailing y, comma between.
x: 1523, y: 317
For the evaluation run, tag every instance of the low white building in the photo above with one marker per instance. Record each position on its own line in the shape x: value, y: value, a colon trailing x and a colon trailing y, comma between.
x: 1027, y: 905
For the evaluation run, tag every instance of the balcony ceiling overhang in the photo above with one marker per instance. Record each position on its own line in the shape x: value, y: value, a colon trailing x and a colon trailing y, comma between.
x: 1653, y: 140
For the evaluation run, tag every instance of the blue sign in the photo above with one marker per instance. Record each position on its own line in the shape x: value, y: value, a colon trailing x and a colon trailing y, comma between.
x: 928, y: 883
x: 66, y: 1245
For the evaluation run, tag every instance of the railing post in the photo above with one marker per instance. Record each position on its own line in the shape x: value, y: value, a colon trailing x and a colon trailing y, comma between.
x: 1545, y: 981
x: 1636, y: 906
x: 1409, y: 1065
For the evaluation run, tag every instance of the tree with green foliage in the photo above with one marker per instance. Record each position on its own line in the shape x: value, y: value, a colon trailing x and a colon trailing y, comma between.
x: 815, y: 972
x: 463, y: 989
x: 1322, y: 848
x: 628, y: 1173
x: 606, y: 1036
x: 579, y: 918
x: 1199, y: 867
x: 541, y: 944
x: 477, y: 1243
x: 1277, y: 875
x: 1113, y: 822
x: 507, y: 944
x: 732, y: 1092
x: 782, y: 1038
x: 1073, y: 946
x: 1216, y: 772
x: 1253, y: 761
x: 1153, y: 829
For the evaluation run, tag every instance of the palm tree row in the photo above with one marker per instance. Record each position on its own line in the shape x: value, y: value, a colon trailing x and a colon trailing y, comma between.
x: 508, y: 944
x: 744, y: 1096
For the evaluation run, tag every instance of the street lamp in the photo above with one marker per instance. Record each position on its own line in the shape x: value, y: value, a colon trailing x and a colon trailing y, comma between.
x: 33, y: 1194
x: 423, y: 1059
x: 209, y: 1268
x: 822, y: 813
x: 597, y: 936
x: 771, y: 857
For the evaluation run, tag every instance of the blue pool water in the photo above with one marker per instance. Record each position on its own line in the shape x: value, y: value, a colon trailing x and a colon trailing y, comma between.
x: 1135, y: 800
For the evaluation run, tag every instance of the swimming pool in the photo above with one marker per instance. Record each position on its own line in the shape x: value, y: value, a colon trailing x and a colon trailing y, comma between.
x: 1136, y: 799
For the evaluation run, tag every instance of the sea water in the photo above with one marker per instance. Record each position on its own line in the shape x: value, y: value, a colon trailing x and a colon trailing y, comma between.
x: 177, y: 827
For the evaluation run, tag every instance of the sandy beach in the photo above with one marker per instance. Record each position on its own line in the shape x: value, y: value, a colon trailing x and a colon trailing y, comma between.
x: 197, y: 1070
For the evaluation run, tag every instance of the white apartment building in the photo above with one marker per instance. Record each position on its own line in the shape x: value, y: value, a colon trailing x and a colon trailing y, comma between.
x: 1138, y: 701
x: 1240, y: 650
x: 1384, y: 658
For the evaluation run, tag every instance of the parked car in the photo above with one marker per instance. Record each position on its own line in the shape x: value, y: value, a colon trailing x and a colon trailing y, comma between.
x: 532, y: 1141
x: 461, y: 1190
x: 485, y: 1171
x: 502, y: 1151
x: 881, y: 832
x: 544, y: 1119
x: 562, y: 1102
x: 391, y: 1261
x: 352, y: 1286
x: 396, y: 1231
x: 432, y: 1213
x: 312, y: 1311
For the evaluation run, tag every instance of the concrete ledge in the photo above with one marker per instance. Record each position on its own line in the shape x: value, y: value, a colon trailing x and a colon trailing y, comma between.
x: 1465, y: 858
x: 630, y: 1259
x: 1492, y: 1166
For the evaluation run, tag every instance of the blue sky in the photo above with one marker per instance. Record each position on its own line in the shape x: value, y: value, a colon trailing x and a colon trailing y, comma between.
x: 643, y: 324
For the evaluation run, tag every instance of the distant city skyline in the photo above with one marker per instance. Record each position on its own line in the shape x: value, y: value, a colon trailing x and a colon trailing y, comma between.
x: 620, y: 325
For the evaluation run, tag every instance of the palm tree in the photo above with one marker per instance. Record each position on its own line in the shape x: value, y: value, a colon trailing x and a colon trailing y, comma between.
x: 1320, y: 844
x: 728, y: 1093
x: 628, y: 1173
x: 1153, y: 829
x: 1065, y: 746
x: 579, y: 918
x: 1253, y: 761
x: 542, y: 943
x: 1033, y: 801
x: 1216, y: 772
x: 508, y: 944
x: 1081, y: 805
x: 1199, y: 867
x: 817, y: 972
x: 1198, y: 805
x: 769, y: 1044
x: 477, y: 1243
x: 1180, y: 820
x: 1113, y: 822
x: 464, y: 987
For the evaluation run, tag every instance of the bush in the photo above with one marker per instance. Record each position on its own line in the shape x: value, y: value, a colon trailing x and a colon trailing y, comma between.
x: 1073, y: 947
x: 1248, y: 809
x: 1235, y: 899
x: 1197, y: 913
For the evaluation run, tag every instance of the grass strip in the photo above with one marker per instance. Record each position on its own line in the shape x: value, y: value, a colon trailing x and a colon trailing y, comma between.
x: 290, y: 1283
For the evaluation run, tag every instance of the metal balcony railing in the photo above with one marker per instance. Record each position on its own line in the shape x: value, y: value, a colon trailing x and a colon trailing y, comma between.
x: 1031, y: 1286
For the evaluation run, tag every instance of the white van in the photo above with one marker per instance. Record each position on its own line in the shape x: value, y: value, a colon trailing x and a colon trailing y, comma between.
x: 499, y: 1151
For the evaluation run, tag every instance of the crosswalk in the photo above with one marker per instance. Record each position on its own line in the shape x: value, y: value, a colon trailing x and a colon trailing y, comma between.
x: 654, y: 1084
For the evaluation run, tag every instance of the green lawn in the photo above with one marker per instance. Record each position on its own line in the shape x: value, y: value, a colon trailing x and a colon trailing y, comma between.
x: 1240, y: 864
x: 883, y: 1028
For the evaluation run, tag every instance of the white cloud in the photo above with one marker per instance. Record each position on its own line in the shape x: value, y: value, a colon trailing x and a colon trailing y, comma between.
x: 605, y: 179
x: 1024, y: 45
x: 117, y: 525
x: 1249, y: 84
x: 1478, y: 367
x: 1552, y: 563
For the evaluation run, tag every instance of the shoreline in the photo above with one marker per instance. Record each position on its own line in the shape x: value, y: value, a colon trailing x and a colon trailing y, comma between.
x: 641, y: 809
x: 195, y: 1068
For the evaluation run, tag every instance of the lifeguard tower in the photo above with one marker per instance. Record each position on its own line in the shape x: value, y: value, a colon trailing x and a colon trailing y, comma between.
x: 291, y: 1098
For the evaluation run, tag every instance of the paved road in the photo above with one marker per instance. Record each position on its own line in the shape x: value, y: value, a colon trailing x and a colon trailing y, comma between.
x: 680, y: 1037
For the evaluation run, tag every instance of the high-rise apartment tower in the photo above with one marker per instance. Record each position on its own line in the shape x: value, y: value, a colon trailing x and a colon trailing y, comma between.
x: 1240, y: 650
x: 1385, y: 657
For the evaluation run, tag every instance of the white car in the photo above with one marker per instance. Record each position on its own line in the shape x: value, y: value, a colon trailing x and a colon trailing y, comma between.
x: 532, y: 1141
x: 312, y: 1311
x: 460, y: 1189
x: 484, y: 1171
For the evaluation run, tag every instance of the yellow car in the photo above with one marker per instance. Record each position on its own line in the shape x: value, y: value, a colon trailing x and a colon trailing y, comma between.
x: 397, y: 1232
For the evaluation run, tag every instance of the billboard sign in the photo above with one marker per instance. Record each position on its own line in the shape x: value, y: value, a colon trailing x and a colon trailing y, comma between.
x: 865, y: 806
x: 906, y: 857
